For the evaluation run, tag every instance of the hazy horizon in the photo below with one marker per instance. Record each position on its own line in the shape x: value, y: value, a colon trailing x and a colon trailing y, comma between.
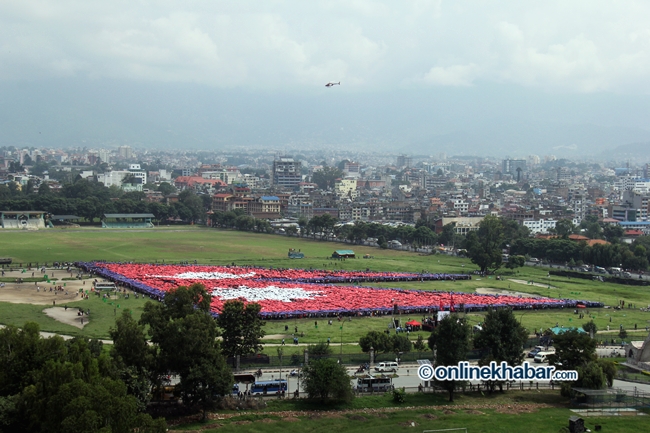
x: 420, y: 77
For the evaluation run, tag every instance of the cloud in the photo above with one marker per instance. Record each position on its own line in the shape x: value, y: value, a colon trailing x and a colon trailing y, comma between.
x: 580, y: 46
x: 457, y: 75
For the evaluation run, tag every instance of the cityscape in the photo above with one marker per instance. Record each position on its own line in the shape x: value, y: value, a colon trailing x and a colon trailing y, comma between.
x: 288, y: 216
x: 401, y: 189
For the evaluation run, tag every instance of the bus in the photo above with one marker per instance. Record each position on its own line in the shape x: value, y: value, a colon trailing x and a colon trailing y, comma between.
x: 105, y: 285
x: 268, y: 387
x: 374, y: 384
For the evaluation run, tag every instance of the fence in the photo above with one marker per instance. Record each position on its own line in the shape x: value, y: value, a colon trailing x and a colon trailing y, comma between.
x: 611, y: 398
x: 294, y: 356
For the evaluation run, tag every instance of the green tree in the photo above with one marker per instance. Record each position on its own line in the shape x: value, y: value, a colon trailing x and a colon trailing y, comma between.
x: 590, y: 328
x: 572, y: 350
x: 44, y: 189
x: 133, y: 356
x: 326, y: 177
x: 400, y: 344
x: 591, y: 376
x: 512, y: 231
x: 166, y: 188
x: 484, y: 246
x: 326, y: 381
x: 515, y: 262
x: 450, y: 343
x: 379, y: 341
x: 65, y: 386
x: 613, y: 233
x: 185, y: 336
x: 609, y: 370
x: 501, y: 339
x: 241, y: 327
x: 321, y: 348
x: 193, y: 203
x: 419, y: 344
x: 446, y: 237
x: 564, y: 227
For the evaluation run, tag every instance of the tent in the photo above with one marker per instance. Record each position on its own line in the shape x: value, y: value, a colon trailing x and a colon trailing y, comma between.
x: 414, y: 324
x: 561, y: 330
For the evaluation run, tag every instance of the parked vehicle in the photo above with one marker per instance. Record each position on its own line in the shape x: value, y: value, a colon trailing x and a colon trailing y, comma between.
x: 387, y: 366
x: 374, y: 384
x: 542, y: 357
x: 533, y: 352
x: 269, y: 387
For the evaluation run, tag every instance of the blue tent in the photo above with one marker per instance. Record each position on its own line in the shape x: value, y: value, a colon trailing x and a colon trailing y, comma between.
x: 561, y: 330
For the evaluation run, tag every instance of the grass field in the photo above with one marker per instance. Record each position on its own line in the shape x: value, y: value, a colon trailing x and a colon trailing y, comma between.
x: 529, y: 411
x: 211, y: 246
x: 521, y: 411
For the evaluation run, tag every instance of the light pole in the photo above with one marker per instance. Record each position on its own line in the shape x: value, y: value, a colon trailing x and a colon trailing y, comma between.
x: 341, y: 352
x: 280, y: 356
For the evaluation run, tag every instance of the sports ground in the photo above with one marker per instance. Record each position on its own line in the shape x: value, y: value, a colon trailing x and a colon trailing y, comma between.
x: 21, y: 302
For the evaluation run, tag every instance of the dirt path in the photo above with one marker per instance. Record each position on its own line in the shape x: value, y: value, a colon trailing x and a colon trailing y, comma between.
x: 39, y: 294
x: 542, y: 285
x: 491, y: 291
x: 69, y: 316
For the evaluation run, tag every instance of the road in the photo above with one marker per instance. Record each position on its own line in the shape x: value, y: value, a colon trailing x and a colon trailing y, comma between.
x: 407, y: 376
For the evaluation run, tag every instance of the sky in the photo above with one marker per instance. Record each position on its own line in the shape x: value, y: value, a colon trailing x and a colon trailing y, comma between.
x: 470, y: 77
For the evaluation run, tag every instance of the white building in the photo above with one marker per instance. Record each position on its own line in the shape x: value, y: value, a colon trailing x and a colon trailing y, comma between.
x: 117, y: 177
x: 104, y: 155
x: 539, y: 226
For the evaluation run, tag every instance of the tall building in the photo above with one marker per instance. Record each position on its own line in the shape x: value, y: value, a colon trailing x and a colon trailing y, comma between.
x: 514, y: 167
x: 352, y: 169
x: 286, y: 173
x: 125, y: 152
x: 403, y: 161
x: 104, y: 155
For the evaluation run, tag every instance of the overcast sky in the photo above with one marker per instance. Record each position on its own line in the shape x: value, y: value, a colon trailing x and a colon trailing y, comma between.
x: 553, y: 58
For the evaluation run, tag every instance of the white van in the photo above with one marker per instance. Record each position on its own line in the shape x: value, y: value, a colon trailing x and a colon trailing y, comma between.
x: 542, y: 357
x: 387, y: 366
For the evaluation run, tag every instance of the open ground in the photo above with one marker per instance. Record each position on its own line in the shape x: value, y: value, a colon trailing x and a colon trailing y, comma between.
x: 533, y: 411
x: 211, y: 246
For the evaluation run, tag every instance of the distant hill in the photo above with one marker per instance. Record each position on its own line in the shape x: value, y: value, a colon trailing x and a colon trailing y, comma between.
x: 632, y: 150
x: 186, y: 116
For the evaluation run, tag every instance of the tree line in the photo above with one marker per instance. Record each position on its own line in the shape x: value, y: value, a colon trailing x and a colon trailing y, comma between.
x: 53, y: 385
x: 486, y: 246
x: 502, y: 338
x: 91, y: 200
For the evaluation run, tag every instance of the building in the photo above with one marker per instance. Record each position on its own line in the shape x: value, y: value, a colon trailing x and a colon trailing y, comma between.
x: 133, y: 176
x: 197, y: 183
x: 26, y: 220
x: 104, y: 155
x: 265, y: 207
x: 462, y: 225
x: 514, y: 167
x: 404, y: 161
x: 343, y: 254
x: 539, y: 226
x: 286, y: 173
x: 125, y: 152
x: 346, y: 188
x: 352, y: 169
x: 127, y: 220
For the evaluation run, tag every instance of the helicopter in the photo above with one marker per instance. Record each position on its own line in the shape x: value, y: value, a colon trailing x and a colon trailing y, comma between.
x: 330, y: 84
